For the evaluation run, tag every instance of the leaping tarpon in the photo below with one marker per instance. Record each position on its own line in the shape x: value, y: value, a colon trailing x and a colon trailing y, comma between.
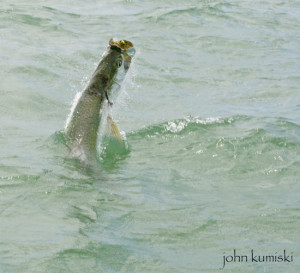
x: 83, y: 124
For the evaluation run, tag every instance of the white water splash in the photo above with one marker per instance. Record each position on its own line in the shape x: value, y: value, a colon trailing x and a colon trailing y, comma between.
x: 74, y: 103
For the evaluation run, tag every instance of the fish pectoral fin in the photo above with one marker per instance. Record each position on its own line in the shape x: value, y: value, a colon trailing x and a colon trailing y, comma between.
x: 112, y: 129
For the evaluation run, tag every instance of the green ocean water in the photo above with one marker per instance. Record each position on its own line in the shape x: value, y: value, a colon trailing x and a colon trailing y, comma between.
x: 211, y: 112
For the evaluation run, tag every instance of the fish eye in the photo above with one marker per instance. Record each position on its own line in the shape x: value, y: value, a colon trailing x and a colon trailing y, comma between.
x: 119, y: 62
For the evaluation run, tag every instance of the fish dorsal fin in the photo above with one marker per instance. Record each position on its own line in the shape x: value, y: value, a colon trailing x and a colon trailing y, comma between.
x: 112, y: 129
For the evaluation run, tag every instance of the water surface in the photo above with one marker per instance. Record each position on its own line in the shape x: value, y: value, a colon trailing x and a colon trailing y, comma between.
x: 211, y: 113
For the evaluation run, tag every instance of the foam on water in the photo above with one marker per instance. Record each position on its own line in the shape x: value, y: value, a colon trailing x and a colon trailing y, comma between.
x: 178, y: 126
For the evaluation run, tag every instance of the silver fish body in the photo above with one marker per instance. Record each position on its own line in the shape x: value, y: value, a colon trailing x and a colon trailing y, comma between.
x: 83, y: 125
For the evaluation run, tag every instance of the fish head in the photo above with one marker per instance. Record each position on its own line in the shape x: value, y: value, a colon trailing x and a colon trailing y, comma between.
x: 126, y: 49
x: 126, y: 52
x: 115, y: 63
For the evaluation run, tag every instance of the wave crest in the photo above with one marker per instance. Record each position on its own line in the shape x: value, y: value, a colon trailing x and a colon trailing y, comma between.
x: 178, y: 125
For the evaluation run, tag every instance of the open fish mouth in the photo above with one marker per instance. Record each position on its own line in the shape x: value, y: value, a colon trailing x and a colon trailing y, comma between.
x: 122, y: 45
